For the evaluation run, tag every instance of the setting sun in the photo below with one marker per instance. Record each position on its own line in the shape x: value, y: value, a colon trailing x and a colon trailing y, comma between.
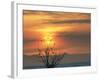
x: 48, y: 39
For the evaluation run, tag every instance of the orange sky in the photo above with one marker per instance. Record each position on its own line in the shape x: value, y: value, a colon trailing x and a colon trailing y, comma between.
x: 65, y: 31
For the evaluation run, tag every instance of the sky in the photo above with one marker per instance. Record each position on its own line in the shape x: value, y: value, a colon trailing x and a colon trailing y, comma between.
x: 64, y: 31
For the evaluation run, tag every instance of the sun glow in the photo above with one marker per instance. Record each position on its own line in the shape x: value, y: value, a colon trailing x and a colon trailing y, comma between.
x: 48, y: 35
x: 48, y: 39
x: 50, y: 29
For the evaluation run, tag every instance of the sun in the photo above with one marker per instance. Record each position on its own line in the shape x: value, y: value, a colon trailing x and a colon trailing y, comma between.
x: 48, y: 39
x: 47, y: 34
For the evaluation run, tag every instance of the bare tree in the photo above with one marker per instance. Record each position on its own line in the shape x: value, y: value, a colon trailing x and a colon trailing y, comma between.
x: 50, y: 57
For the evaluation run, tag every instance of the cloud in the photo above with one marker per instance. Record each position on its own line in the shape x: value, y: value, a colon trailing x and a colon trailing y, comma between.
x: 69, y: 21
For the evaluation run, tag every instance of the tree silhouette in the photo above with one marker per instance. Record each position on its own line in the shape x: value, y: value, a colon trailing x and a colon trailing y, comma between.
x: 50, y: 57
